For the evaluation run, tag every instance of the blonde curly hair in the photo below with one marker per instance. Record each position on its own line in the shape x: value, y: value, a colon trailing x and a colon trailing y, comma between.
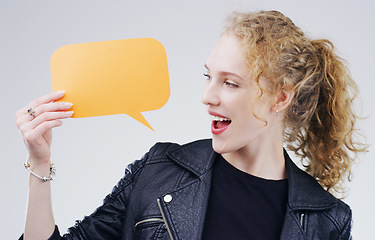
x: 319, y: 123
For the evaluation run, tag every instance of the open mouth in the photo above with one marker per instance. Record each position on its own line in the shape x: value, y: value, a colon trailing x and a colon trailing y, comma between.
x: 219, y: 124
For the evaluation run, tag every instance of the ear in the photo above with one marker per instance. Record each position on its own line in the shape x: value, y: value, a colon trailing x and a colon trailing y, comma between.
x: 283, y: 99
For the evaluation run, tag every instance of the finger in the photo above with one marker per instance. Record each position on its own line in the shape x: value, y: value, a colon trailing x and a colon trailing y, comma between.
x: 26, y: 125
x: 48, y: 107
x: 34, y: 134
x: 48, y: 116
x: 23, y: 119
x: 45, y: 126
x: 23, y: 115
x: 42, y: 100
x: 27, y: 121
x: 51, y: 107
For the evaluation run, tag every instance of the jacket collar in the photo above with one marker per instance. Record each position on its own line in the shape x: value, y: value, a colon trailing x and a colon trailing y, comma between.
x: 198, y: 156
x: 305, y: 193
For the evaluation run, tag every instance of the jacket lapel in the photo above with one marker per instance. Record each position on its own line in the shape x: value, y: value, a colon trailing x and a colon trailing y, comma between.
x: 185, y: 210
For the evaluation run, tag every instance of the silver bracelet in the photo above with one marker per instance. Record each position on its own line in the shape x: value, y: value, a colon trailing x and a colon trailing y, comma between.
x: 52, y: 172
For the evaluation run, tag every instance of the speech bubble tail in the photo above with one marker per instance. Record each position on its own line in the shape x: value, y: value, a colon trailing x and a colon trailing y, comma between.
x: 139, y: 117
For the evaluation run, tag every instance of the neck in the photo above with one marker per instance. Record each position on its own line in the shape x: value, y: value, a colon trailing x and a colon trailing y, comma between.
x: 263, y: 159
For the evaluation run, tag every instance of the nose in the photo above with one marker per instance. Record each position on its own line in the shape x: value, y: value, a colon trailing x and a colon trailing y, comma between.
x: 210, y: 95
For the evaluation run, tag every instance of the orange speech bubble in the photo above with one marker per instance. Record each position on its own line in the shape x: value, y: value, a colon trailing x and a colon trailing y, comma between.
x: 112, y: 77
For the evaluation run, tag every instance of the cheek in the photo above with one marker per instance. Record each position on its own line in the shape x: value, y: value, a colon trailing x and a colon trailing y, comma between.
x: 249, y: 111
x: 262, y: 109
x: 253, y: 120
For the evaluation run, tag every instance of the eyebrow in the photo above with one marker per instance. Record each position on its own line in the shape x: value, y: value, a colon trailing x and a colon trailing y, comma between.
x: 225, y: 73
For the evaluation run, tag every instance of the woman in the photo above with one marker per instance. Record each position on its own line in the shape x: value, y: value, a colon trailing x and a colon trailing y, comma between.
x: 266, y: 82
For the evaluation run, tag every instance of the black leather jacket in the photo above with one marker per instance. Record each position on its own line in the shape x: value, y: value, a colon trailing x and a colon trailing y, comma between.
x: 164, y: 196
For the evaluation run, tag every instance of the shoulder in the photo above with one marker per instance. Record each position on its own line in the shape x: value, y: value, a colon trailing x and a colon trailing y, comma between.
x: 332, y: 223
x: 162, y: 148
x: 324, y: 211
x: 341, y: 216
x: 162, y: 166
x: 194, y: 153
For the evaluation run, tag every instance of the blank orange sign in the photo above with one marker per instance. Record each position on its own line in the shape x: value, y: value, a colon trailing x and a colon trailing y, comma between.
x: 112, y: 77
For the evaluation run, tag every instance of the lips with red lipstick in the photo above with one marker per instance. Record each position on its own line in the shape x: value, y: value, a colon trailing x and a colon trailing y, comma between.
x: 220, y: 123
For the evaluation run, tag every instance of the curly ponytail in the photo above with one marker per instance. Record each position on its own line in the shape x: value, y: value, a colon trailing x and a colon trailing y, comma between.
x: 324, y: 140
x: 319, y: 123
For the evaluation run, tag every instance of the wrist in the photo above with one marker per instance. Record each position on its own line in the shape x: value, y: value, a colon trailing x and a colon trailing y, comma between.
x: 37, y: 162
x: 44, y: 171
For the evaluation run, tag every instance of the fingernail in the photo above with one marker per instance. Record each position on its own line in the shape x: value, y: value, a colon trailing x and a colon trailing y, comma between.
x: 68, y: 104
x: 60, y: 92
x: 70, y: 113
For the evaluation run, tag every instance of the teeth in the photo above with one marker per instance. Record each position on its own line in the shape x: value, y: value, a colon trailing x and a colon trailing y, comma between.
x: 215, y: 118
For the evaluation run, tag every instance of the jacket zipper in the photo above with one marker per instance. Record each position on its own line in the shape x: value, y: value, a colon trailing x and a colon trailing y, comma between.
x: 301, y: 220
x: 149, y: 220
x: 164, y: 219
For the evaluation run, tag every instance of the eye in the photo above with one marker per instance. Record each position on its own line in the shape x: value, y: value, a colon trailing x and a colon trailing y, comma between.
x: 230, y: 84
x: 208, y: 77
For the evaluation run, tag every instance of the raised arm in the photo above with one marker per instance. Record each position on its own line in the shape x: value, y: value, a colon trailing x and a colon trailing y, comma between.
x: 35, y: 122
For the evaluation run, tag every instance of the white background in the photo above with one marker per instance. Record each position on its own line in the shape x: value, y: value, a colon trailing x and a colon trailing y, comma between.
x: 91, y: 153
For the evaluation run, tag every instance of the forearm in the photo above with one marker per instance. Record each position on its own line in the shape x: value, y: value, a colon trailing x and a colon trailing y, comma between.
x: 35, y: 122
x: 40, y: 222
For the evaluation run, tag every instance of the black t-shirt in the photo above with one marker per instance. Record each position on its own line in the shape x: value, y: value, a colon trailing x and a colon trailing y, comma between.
x: 242, y: 206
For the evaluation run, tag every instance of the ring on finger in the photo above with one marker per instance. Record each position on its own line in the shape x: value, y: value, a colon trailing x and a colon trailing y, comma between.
x: 31, y: 112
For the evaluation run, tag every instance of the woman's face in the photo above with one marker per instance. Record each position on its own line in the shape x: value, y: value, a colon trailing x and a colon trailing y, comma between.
x: 229, y: 94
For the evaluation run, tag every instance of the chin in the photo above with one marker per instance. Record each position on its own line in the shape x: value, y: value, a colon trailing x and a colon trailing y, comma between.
x: 220, y: 147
